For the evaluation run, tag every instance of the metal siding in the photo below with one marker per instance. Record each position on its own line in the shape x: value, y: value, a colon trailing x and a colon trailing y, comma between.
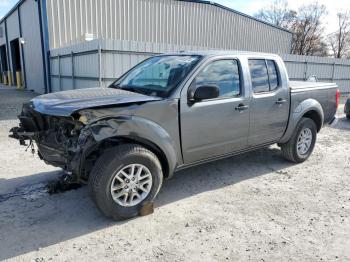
x: 3, y: 42
x: 341, y: 71
x: 66, y: 84
x: 55, y: 85
x: 3, y: 38
x: 13, y: 26
x: 161, y: 21
x: 157, y: 26
x: 86, y: 65
x: 86, y: 83
x: 119, y: 56
x: 32, y: 46
x: 54, y: 66
x: 301, y: 67
x: 66, y: 66
x: 12, y: 33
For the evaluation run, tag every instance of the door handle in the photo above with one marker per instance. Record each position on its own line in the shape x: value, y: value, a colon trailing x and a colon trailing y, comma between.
x: 241, y: 107
x: 281, y: 101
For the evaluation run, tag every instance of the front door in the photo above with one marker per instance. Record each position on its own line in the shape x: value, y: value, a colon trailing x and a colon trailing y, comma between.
x: 218, y: 126
x: 269, y: 107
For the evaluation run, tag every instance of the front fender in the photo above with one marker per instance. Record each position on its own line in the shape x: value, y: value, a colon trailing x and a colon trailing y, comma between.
x: 137, y: 127
x: 298, y: 112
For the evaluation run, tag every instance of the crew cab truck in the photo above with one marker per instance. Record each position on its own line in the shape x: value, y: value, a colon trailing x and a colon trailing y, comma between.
x: 171, y: 112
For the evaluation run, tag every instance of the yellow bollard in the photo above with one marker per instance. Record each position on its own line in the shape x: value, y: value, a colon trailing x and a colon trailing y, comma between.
x: 9, y: 78
x: 5, y: 78
x: 19, y: 79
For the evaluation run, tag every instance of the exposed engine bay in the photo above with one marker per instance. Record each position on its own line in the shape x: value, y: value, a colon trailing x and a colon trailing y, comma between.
x: 61, y: 141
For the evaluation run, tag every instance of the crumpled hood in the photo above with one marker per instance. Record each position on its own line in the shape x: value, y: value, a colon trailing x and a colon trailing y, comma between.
x: 67, y: 102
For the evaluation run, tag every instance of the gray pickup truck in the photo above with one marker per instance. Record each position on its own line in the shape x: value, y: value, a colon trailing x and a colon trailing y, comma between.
x: 171, y: 112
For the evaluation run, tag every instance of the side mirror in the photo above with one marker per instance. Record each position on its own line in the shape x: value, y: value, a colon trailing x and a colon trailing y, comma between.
x: 205, y: 92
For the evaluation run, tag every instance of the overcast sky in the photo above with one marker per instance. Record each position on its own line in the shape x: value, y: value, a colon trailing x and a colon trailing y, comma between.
x: 249, y: 7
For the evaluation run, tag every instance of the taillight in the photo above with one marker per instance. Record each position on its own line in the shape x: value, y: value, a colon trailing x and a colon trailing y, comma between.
x: 337, y: 96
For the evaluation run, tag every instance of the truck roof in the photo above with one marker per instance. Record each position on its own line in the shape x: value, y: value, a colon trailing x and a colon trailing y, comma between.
x: 223, y: 52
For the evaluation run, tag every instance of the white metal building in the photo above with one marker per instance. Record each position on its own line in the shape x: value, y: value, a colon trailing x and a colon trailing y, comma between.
x: 187, y: 23
x: 58, y: 45
x: 22, y: 46
x: 34, y: 30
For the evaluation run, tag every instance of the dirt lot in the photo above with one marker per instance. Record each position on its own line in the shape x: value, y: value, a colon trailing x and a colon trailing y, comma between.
x: 252, y: 207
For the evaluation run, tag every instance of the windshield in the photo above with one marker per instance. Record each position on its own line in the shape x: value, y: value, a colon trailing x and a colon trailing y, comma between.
x: 157, y: 76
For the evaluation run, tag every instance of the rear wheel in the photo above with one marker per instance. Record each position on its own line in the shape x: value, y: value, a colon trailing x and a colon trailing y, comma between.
x: 124, y: 179
x: 348, y: 116
x: 301, y: 144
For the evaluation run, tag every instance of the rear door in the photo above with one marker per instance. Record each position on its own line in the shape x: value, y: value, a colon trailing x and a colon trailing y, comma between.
x: 269, y: 107
x: 218, y: 126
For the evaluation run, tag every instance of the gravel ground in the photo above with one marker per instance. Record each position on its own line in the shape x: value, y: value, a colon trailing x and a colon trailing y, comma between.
x: 254, y: 207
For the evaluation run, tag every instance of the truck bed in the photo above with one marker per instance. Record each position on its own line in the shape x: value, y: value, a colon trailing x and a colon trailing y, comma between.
x: 324, y: 93
x: 303, y: 85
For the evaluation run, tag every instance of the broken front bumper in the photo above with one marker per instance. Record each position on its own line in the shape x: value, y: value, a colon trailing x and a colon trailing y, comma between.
x: 61, y: 141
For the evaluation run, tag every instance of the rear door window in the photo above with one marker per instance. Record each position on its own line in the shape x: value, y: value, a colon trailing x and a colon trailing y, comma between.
x: 259, y: 75
x: 264, y: 75
x: 273, y: 76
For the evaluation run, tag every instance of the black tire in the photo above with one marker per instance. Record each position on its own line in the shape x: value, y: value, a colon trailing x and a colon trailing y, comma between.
x: 289, y: 149
x: 348, y: 116
x: 112, y: 161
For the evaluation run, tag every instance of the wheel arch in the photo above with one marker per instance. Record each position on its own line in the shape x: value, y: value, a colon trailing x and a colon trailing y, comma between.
x: 112, y: 132
x: 309, y: 108
x: 316, y: 117
x: 151, y: 146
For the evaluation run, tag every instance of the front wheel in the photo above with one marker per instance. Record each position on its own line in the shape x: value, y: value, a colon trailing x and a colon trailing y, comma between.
x: 124, y: 179
x: 301, y: 144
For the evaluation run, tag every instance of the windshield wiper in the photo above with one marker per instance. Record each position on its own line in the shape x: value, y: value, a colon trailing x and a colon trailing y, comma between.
x: 134, y: 89
x: 139, y: 90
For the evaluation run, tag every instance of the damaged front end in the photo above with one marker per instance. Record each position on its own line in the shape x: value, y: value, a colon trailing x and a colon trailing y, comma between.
x: 61, y: 141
